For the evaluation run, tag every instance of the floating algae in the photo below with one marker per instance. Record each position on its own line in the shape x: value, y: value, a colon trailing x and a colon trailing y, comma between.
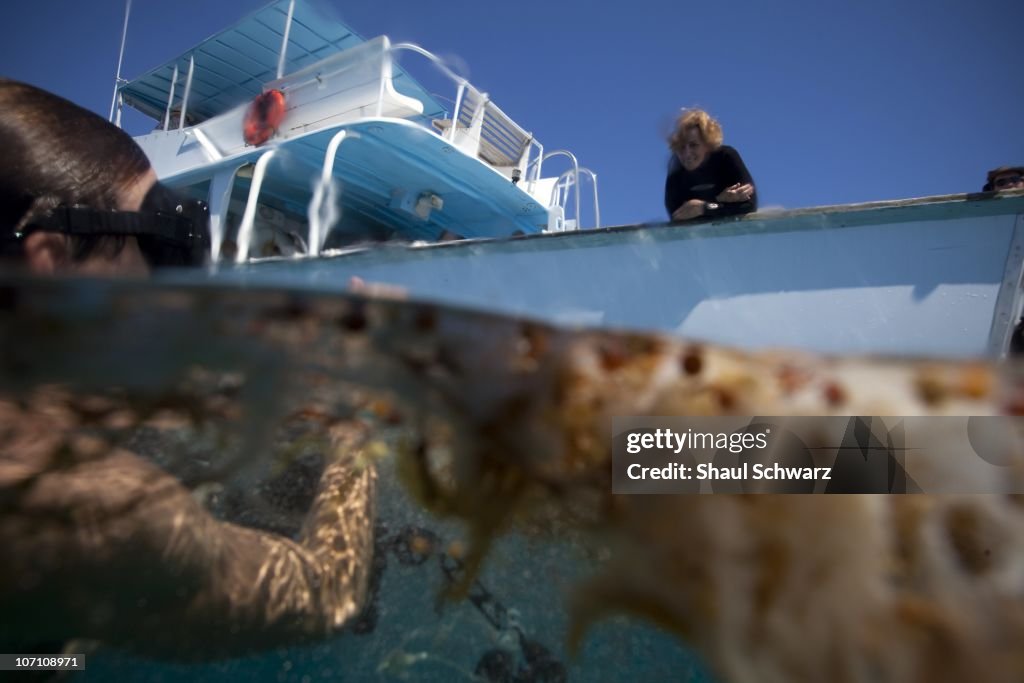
x: 504, y: 424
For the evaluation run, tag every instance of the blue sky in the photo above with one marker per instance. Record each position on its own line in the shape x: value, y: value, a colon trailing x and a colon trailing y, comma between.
x: 827, y: 102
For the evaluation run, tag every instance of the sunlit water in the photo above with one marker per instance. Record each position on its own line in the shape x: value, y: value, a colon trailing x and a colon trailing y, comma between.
x: 514, y: 632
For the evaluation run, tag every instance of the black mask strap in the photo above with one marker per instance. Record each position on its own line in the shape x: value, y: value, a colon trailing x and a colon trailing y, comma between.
x: 171, y: 230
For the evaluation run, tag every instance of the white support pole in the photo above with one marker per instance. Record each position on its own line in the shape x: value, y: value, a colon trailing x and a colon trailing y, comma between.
x: 219, y: 199
x: 120, y: 106
x: 385, y: 56
x: 317, y: 227
x: 284, y: 41
x: 249, y: 217
x: 560, y: 194
x: 575, y: 169
x: 458, y: 107
x: 332, y: 153
x: 188, y: 89
x: 170, y: 99
x: 576, y: 172
x: 593, y: 183
x: 120, y: 60
x: 476, y: 122
x: 524, y: 158
x: 539, y: 160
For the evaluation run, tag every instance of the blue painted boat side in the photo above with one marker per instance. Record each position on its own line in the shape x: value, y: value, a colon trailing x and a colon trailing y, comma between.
x: 936, y: 276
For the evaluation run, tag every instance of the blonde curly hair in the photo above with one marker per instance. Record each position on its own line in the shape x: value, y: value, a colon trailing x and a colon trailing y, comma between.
x: 710, y: 130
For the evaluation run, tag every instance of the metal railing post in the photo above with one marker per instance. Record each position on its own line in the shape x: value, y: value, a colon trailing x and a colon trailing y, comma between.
x: 320, y: 194
x: 188, y: 89
x: 566, y: 180
x: 536, y: 168
x: 170, y: 99
x: 575, y: 167
x: 384, y: 63
x: 593, y: 182
x: 249, y: 217
x: 436, y: 61
x: 120, y: 107
x: 284, y: 39
x: 412, y: 47
x: 455, y: 114
x: 597, y: 207
x: 219, y: 199
x: 120, y: 60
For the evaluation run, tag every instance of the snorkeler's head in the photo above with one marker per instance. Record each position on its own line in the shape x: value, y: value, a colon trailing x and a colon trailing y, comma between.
x: 77, y: 194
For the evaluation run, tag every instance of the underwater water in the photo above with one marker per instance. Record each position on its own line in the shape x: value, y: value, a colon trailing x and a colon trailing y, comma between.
x: 492, y: 542
x: 512, y: 627
x: 217, y: 378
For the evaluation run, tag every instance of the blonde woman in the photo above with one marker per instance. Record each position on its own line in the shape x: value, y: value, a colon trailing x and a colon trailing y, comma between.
x: 706, y: 179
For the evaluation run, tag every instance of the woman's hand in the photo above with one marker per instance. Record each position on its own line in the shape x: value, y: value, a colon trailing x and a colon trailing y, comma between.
x: 691, y: 209
x: 737, y: 193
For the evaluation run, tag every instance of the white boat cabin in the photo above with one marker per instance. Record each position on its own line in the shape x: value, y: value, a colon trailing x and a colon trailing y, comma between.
x: 356, y: 150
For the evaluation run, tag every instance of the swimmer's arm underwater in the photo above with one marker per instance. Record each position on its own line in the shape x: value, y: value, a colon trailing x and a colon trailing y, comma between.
x: 116, y: 550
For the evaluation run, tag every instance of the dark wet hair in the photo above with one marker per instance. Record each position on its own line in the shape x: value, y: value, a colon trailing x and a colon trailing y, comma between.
x: 56, y: 153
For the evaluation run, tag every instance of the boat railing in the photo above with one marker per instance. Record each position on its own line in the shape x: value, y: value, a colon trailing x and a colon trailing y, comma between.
x: 361, y: 80
x: 358, y: 83
x: 478, y: 127
x: 569, y: 181
x: 555, y: 191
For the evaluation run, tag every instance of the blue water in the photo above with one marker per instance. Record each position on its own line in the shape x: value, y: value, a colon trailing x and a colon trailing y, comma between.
x: 516, y: 629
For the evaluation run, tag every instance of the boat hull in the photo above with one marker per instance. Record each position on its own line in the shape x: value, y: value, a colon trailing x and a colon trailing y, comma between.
x: 937, y: 276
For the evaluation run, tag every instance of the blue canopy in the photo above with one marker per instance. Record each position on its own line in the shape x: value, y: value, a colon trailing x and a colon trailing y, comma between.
x: 232, y: 66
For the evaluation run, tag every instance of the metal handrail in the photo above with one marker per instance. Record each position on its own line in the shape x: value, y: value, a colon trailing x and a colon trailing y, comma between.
x: 170, y: 99
x: 575, y: 167
x: 188, y: 90
x: 384, y: 64
x: 317, y: 228
x: 249, y: 216
x: 462, y: 85
x: 597, y: 205
x: 283, y: 54
x: 570, y: 179
x: 115, y: 100
x: 438, y: 62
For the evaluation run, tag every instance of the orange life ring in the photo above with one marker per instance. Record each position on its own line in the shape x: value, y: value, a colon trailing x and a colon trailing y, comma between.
x: 263, y: 118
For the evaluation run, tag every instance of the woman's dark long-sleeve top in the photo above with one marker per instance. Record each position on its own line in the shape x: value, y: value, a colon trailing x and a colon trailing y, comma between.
x: 721, y: 169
